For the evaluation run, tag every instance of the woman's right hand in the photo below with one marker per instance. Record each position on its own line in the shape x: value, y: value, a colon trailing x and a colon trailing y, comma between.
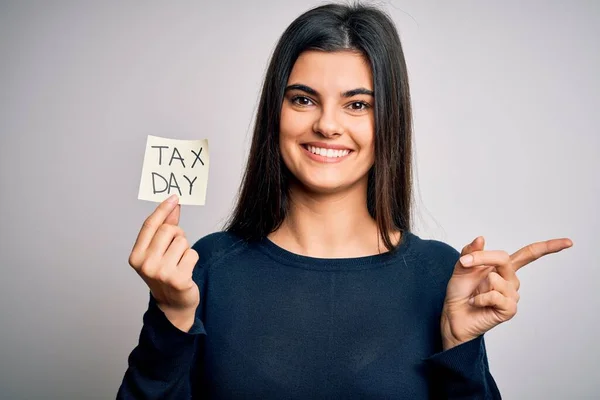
x: 163, y: 258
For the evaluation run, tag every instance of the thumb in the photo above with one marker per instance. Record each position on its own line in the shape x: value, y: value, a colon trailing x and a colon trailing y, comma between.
x: 476, y: 245
x: 469, y: 278
x: 173, y: 217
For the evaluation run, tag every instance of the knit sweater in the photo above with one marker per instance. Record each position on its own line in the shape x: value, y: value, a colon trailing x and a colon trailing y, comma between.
x: 277, y: 325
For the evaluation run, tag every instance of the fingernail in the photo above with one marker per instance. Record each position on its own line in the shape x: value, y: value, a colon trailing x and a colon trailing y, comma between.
x: 472, y: 300
x: 466, y: 260
x: 172, y: 199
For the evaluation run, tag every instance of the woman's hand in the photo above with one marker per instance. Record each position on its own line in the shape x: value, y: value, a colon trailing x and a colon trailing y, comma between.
x: 163, y: 258
x: 484, y: 289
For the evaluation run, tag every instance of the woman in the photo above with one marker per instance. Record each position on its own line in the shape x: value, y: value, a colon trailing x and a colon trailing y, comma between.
x: 317, y: 288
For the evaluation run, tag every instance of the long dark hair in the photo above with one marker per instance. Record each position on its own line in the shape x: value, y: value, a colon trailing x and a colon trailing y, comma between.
x: 263, y: 198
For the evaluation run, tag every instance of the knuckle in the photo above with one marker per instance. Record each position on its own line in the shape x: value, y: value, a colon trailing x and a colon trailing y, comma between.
x: 497, y: 296
x: 180, y: 241
x: 165, y: 229
x: 149, y: 223
x: 190, y: 258
x: 163, y: 275
x: 147, y: 268
x: 194, y: 255
x: 135, y: 260
x: 494, y: 276
x: 177, y: 231
x: 494, y: 280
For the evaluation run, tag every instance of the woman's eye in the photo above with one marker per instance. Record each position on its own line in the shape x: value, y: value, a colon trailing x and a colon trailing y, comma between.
x: 302, y: 101
x: 359, y: 106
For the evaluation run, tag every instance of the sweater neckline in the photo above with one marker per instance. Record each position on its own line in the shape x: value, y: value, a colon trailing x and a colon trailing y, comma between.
x: 332, y: 264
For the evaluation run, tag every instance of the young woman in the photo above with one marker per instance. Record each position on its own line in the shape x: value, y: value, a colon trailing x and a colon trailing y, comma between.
x: 317, y: 288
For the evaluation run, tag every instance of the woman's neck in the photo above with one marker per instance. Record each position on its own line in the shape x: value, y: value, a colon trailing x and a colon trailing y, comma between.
x: 329, y: 225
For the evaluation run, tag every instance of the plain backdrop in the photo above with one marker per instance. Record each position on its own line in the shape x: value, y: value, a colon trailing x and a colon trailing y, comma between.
x: 506, y: 103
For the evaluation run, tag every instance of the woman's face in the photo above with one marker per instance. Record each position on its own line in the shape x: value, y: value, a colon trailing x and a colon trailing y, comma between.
x: 327, y: 124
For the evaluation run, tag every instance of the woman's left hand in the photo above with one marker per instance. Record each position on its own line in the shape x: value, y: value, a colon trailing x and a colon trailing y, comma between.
x: 484, y: 289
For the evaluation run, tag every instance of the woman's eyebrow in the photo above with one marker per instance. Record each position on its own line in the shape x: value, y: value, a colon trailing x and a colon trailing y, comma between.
x: 304, y: 88
x: 356, y: 91
x: 311, y: 91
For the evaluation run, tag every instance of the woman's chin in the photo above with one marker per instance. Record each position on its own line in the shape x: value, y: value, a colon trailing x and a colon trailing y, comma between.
x: 325, y: 187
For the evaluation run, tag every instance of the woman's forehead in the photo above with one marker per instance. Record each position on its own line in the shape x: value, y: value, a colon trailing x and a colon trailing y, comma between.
x: 332, y: 71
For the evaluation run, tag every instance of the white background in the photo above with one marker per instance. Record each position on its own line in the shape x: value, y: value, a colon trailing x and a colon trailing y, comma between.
x: 506, y: 98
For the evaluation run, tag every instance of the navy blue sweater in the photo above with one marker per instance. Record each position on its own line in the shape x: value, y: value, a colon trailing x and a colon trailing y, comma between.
x: 277, y: 325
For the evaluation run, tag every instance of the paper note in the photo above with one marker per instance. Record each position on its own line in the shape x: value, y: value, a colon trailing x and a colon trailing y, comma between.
x: 173, y: 166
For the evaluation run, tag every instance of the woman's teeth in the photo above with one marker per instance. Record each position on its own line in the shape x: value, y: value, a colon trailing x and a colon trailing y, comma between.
x: 327, y: 152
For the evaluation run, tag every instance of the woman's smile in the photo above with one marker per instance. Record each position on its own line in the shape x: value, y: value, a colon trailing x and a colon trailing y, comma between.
x: 326, y: 153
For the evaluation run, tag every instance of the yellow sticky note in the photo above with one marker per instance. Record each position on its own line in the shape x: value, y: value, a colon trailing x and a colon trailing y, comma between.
x: 173, y: 166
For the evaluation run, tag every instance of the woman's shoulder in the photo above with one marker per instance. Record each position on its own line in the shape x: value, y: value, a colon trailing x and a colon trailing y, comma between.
x: 432, y: 247
x: 217, y: 245
x: 437, y: 256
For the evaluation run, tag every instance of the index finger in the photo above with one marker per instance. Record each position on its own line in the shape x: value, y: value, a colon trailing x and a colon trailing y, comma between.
x: 154, y: 221
x: 537, y: 250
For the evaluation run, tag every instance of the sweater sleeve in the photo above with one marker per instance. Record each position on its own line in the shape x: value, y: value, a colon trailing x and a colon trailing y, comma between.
x: 462, y: 372
x: 160, y: 365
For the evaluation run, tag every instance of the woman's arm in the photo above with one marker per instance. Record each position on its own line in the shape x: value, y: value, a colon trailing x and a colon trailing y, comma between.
x: 160, y: 365
x: 481, y: 294
x: 462, y: 372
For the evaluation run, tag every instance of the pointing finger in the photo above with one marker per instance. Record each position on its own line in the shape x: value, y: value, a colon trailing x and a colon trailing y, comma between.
x: 537, y: 250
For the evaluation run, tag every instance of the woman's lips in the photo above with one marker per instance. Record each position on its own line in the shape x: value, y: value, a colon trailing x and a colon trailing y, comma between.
x: 329, y: 154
